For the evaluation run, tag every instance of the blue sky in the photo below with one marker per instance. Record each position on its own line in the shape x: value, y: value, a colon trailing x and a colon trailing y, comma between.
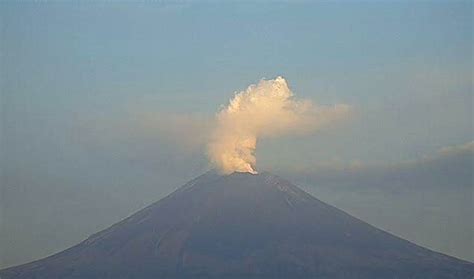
x: 86, y: 60
x: 78, y: 78
x: 151, y: 48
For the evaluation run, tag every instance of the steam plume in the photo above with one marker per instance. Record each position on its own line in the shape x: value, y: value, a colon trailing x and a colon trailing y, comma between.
x: 267, y: 109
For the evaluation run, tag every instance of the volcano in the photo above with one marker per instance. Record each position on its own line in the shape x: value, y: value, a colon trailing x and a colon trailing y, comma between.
x: 243, y: 226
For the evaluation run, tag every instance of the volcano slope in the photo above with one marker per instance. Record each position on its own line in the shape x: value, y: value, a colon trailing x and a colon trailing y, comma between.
x: 243, y: 226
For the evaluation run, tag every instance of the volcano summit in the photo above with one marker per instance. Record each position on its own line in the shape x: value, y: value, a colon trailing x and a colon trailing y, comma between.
x: 243, y: 226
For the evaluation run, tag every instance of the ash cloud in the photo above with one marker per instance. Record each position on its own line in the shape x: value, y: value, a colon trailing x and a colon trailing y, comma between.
x: 263, y: 110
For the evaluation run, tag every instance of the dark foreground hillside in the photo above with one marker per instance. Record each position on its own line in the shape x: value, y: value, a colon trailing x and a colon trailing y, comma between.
x: 243, y: 226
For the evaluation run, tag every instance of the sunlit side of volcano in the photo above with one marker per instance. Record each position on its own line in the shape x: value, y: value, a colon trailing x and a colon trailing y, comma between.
x: 243, y: 226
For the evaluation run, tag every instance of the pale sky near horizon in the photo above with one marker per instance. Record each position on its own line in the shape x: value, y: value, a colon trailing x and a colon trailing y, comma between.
x: 93, y: 97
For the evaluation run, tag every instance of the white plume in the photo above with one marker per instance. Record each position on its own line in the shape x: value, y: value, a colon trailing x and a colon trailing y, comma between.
x: 267, y: 109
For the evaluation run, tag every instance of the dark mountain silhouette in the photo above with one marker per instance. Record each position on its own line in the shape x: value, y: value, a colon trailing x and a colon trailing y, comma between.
x: 243, y: 226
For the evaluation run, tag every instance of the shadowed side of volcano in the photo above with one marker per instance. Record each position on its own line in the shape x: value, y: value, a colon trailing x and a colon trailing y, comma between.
x: 243, y: 225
